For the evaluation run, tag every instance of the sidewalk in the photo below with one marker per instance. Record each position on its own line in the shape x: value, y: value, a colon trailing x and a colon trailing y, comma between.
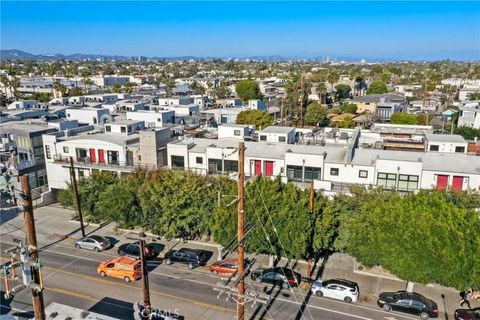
x: 53, y: 223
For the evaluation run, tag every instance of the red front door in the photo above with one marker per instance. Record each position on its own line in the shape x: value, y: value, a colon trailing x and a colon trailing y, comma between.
x: 268, y: 168
x: 442, y: 182
x: 457, y: 183
x: 101, y: 156
x: 93, y: 157
x: 258, y: 167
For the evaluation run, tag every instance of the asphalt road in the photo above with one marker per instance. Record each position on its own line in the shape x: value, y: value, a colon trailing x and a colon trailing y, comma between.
x: 70, y: 278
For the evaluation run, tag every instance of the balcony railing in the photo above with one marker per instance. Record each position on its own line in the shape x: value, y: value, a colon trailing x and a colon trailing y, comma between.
x: 119, y: 165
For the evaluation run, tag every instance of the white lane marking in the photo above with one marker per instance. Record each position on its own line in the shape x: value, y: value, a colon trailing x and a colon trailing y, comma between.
x: 212, y: 285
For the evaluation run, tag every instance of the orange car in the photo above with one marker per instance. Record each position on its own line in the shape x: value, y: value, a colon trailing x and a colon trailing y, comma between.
x: 124, y: 268
x: 227, y: 267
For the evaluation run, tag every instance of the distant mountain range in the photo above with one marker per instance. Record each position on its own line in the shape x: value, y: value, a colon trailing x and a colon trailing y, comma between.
x: 14, y: 54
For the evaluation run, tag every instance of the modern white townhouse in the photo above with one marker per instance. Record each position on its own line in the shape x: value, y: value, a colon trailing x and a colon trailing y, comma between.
x: 122, y: 147
x: 91, y: 116
x: 332, y: 167
x: 153, y: 119
x: 470, y: 114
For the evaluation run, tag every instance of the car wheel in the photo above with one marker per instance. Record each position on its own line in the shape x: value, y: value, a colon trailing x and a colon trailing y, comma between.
x: 96, y: 249
x: 127, y: 279
x: 77, y: 246
x: 168, y: 261
x: 424, y: 316
x: 285, y: 285
x: 319, y: 293
x: 387, y: 307
x: 258, y: 280
x: 190, y: 266
x: 103, y: 274
x: 347, y: 300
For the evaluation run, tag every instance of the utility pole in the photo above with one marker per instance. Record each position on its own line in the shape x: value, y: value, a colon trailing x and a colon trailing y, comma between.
x: 301, y: 100
x: 312, y: 199
x: 29, y: 221
x: 77, y: 196
x: 141, y: 238
x: 240, y: 231
x: 281, y: 114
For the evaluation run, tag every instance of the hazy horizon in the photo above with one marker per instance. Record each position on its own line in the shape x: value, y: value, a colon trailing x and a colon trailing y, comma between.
x: 369, y: 30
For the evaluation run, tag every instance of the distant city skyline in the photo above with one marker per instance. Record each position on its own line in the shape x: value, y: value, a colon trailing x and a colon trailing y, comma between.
x: 370, y: 30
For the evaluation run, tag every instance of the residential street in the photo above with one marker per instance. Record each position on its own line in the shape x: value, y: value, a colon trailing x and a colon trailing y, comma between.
x: 70, y: 278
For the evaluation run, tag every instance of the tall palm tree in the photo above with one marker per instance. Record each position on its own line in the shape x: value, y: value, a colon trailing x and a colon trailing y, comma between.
x: 332, y: 78
x: 322, y: 89
x: 5, y: 83
x: 87, y: 82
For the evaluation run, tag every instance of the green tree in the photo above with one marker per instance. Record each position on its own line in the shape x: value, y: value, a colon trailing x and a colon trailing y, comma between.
x: 349, y: 108
x: 474, y: 96
x: 422, y: 237
x: 260, y: 119
x: 247, y: 90
x: 377, y: 87
x: 332, y: 78
x: 117, y: 88
x: 222, y: 91
x: 404, y: 118
x: 342, y: 91
x: 315, y: 114
x: 468, y: 133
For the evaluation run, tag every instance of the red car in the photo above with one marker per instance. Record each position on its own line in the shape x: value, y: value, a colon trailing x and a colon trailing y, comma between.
x: 224, y: 267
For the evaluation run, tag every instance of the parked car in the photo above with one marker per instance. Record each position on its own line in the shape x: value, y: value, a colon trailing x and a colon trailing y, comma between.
x: 225, y: 267
x: 191, y: 257
x: 467, y: 314
x: 124, y: 268
x: 283, y: 276
x: 339, y: 289
x: 408, y: 302
x: 132, y: 250
x: 93, y: 242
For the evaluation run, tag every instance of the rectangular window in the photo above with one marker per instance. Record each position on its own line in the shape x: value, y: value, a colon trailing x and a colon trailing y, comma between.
x: 263, y: 138
x: 95, y: 120
x: 334, y: 171
x: 294, y: 173
x: 123, y: 129
x: 108, y: 128
x: 407, y: 182
x: 460, y: 149
x: 236, y: 133
x: 38, y: 154
x: 112, y: 157
x: 231, y: 166
x: 214, y: 165
x: 81, y: 154
x: 65, y: 149
x: 81, y: 174
x: 387, y: 180
x: 199, y: 160
x: 178, y: 162
x: 47, y: 152
x: 282, y: 139
x: 434, y: 147
x: 312, y: 173
x: 363, y: 174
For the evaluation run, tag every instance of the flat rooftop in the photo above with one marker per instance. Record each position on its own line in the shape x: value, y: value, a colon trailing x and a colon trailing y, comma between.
x: 277, y: 129
x: 451, y: 138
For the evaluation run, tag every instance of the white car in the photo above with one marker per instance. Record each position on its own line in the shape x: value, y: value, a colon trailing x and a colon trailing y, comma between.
x: 339, y: 289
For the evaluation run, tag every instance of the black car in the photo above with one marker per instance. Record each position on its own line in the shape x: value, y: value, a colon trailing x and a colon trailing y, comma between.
x: 283, y: 276
x: 191, y: 257
x: 467, y: 314
x: 132, y: 250
x: 408, y: 302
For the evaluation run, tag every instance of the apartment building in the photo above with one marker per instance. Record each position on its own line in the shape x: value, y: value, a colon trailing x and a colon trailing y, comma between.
x: 123, y: 147
x: 332, y: 167
x: 470, y: 115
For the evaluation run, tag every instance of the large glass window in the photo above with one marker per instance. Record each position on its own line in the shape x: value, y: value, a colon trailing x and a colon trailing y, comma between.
x: 282, y: 139
x: 214, y: 165
x: 312, y: 173
x: 47, y: 152
x: 434, y: 147
x: 294, y: 173
x: 460, y: 149
x: 387, y: 180
x: 38, y: 154
x: 112, y: 157
x: 178, y: 161
x: 263, y: 138
x: 81, y: 154
x: 407, y: 182
x: 231, y: 166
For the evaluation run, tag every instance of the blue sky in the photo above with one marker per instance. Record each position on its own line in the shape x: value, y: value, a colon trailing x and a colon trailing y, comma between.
x: 399, y: 30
